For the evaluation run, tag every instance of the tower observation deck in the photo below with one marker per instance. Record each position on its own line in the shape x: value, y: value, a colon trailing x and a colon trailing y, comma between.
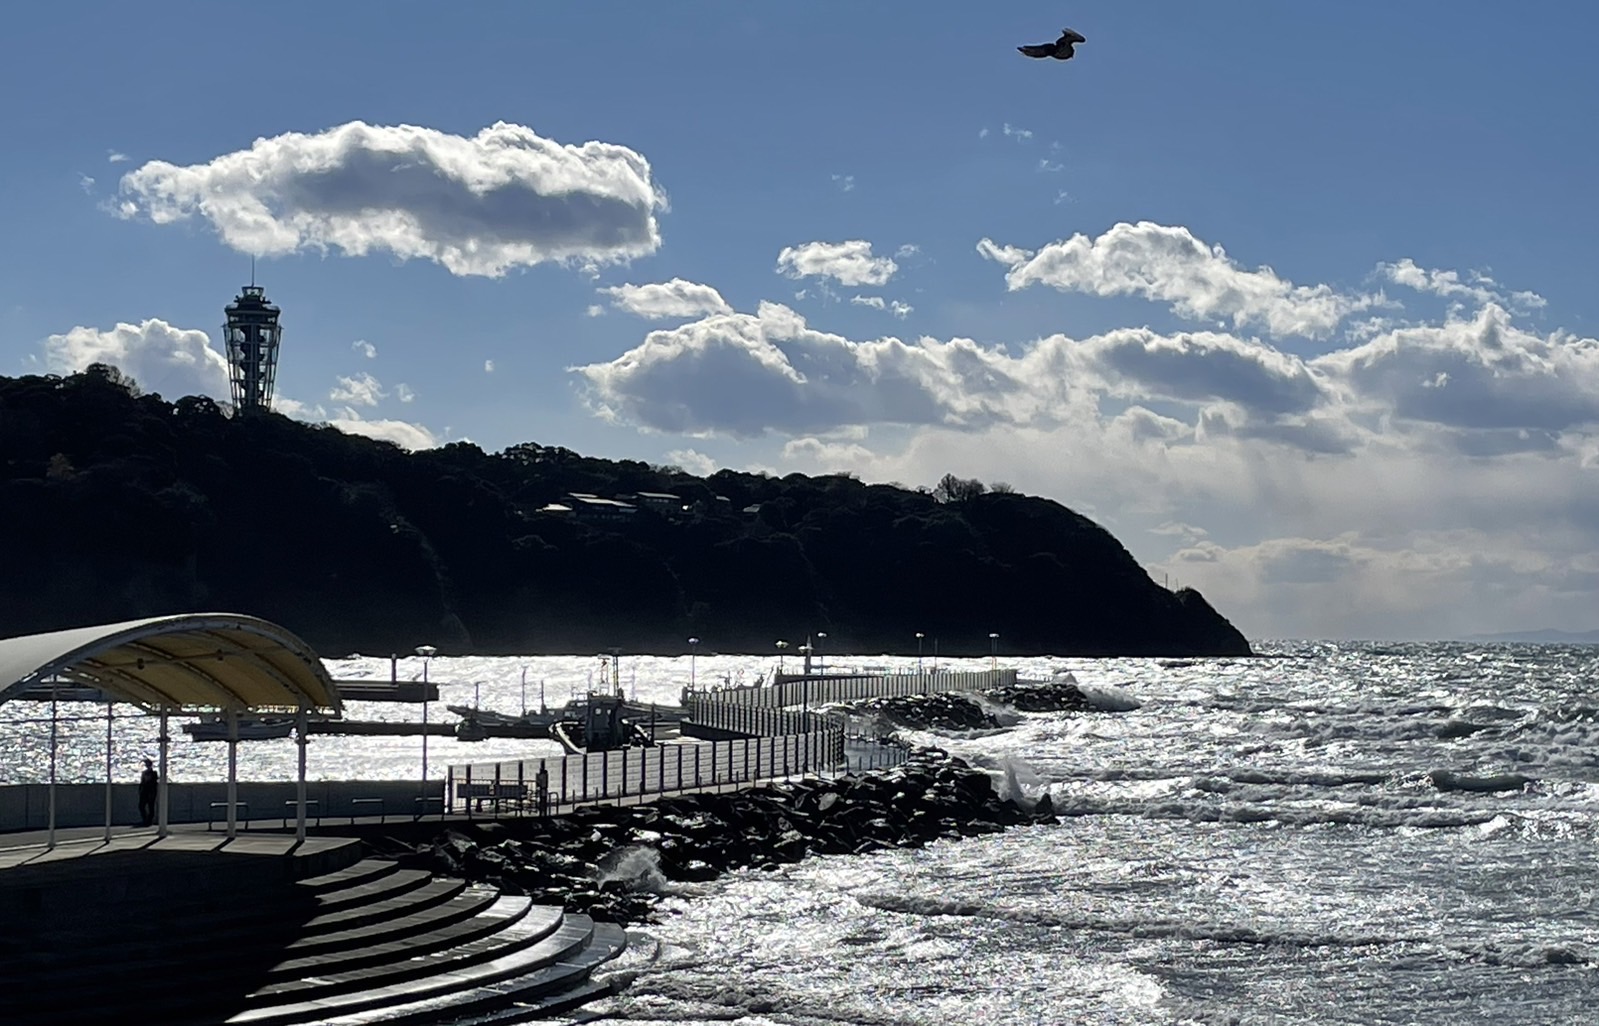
x: 252, y: 334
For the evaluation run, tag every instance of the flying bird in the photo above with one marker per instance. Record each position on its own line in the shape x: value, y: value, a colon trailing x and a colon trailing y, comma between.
x: 1060, y: 49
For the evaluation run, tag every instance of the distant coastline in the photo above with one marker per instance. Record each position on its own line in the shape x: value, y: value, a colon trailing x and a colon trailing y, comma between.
x: 1544, y: 636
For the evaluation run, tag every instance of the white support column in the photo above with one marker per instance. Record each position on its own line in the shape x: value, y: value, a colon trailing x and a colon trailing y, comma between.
x: 162, y: 741
x: 233, y: 773
x: 53, y: 742
x: 108, y: 708
x: 299, y: 790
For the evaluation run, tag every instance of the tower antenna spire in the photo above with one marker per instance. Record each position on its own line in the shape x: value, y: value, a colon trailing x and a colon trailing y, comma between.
x: 252, y: 268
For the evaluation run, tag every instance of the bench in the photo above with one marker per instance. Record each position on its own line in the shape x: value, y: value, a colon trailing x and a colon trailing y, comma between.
x: 291, y: 810
x: 245, y: 818
x: 357, y: 804
x: 494, y: 794
x: 421, y: 806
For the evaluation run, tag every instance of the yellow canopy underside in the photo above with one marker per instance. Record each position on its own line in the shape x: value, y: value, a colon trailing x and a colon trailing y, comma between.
x: 195, y: 662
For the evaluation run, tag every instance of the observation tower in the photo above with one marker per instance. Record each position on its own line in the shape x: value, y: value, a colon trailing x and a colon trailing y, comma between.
x: 252, y: 334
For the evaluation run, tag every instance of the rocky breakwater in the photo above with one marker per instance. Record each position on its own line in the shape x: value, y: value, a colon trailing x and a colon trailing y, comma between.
x: 614, y: 863
x: 954, y: 711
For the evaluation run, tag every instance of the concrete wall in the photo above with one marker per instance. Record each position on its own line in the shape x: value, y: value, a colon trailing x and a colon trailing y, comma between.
x: 27, y: 806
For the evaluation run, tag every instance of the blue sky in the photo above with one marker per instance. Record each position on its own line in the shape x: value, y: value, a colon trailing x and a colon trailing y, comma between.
x: 1296, y: 298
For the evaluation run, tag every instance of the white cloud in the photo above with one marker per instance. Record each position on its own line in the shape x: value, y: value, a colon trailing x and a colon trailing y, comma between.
x: 402, y: 433
x: 1019, y: 134
x: 1447, y: 283
x: 1169, y: 264
x: 482, y: 205
x: 982, y: 133
x: 362, y: 390
x: 113, y: 157
x: 845, y: 183
x: 1048, y: 166
x: 1480, y: 373
x: 488, y: 366
x: 403, y: 393
x: 897, y: 308
x: 850, y: 263
x: 908, y: 250
x: 86, y: 183
x: 671, y: 299
x: 747, y: 374
x: 693, y: 461
x: 595, y: 310
x: 365, y: 348
x: 170, y: 361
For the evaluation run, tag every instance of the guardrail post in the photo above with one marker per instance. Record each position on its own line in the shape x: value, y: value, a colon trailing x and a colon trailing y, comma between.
x: 623, y: 792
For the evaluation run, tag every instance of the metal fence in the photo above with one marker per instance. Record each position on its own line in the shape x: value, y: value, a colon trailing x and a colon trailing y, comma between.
x: 635, y: 774
x: 780, y: 742
x: 805, y: 691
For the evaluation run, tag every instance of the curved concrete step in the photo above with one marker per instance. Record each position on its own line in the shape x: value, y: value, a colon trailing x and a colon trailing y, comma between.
x: 364, y: 871
x: 443, y: 975
x: 517, y: 997
x: 386, y: 886
x: 471, y: 900
x: 427, y: 894
x: 408, y: 947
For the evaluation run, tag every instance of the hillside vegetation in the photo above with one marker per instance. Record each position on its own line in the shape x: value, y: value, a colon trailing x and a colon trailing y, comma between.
x: 116, y: 505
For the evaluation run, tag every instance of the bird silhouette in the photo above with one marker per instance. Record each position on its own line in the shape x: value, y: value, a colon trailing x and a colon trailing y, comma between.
x: 1060, y: 49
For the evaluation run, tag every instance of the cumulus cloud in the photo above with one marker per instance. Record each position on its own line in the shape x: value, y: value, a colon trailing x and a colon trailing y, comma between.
x: 1448, y: 283
x: 488, y: 366
x: 1478, y: 372
x: 362, y: 390
x: 747, y: 374
x: 403, y: 393
x: 662, y: 300
x: 875, y: 302
x: 1017, y: 133
x: 849, y: 263
x: 1168, y: 264
x: 693, y: 461
x: 170, y: 361
x: 113, y: 157
x: 845, y: 183
x: 365, y: 348
x: 402, y: 433
x: 478, y: 205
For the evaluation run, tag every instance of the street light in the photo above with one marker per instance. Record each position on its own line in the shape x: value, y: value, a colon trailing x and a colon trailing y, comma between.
x: 426, y: 652
x: 821, y: 657
x: 919, y: 637
x: 780, y: 646
x: 693, y: 647
x: 993, y: 651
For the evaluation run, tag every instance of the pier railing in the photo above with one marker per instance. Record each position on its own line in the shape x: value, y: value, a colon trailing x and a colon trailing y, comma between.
x: 748, y: 734
x: 805, y: 691
x: 630, y: 775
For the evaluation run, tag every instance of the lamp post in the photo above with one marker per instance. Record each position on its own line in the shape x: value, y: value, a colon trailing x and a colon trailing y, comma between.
x: 919, y: 637
x: 780, y: 646
x: 993, y: 651
x: 693, y: 648
x: 821, y: 657
x: 427, y: 652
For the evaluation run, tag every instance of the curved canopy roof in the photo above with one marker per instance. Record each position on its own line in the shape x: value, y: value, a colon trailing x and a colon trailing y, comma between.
x: 190, y: 662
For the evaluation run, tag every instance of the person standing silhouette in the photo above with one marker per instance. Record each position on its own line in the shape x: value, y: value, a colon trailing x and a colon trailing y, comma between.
x: 149, y: 784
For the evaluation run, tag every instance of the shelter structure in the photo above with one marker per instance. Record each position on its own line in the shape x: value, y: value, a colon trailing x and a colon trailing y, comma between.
x: 223, y: 663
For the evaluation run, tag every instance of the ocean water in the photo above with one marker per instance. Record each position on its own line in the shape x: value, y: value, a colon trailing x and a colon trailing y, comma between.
x: 1330, y: 834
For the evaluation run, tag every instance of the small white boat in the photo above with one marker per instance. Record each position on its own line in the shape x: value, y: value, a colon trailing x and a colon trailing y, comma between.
x: 215, y: 728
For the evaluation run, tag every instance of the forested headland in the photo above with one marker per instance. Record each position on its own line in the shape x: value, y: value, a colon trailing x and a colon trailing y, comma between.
x: 116, y: 505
